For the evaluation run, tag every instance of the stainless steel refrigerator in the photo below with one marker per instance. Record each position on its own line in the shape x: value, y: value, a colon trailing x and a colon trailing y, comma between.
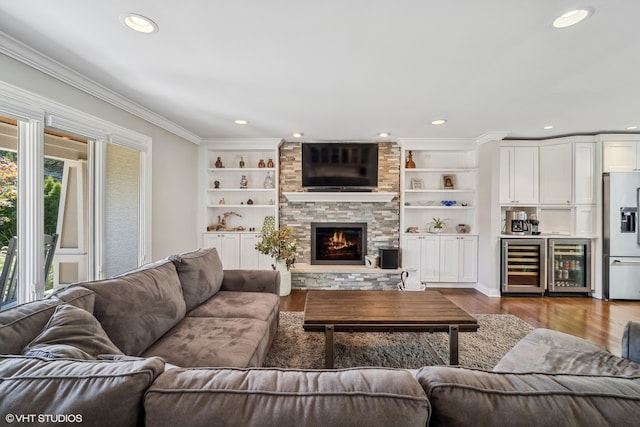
x: 621, y: 240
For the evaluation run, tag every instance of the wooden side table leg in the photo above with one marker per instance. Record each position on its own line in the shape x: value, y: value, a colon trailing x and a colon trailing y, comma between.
x: 453, y: 344
x: 328, y: 346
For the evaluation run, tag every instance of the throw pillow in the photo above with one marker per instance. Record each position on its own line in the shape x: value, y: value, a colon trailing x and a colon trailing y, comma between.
x: 71, y: 333
x: 200, y: 274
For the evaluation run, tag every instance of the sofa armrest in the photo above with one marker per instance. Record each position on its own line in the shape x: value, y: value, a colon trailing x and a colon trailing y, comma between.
x: 251, y: 281
x: 631, y: 341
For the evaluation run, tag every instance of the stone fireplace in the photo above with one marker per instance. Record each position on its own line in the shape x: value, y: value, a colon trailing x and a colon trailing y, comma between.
x: 338, y: 243
x: 382, y: 220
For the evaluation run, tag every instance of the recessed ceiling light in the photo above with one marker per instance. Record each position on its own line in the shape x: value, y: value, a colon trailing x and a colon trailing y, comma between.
x: 632, y: 127
x: 384, y: 134
x: 240, y: 122
x: 139, y: 23
x: 298, y: 134
x: 439, y: 122
x: 571, y: 18
x: 548, y: 127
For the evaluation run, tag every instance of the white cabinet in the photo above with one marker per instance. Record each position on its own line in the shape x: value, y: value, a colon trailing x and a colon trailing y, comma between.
x: 250, y: 258
x: 228, y: 245
x: 556, y: 174
x: 458, y: 259
x: 422, y: 253
x: 620, y: 156
x: 518, y: 175
x: 441, y: 258
x: 238, y: 250
x: 585, y: 179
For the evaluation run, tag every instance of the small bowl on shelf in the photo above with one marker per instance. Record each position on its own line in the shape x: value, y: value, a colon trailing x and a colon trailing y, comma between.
x: 463, y: 228
x: 448, y: 202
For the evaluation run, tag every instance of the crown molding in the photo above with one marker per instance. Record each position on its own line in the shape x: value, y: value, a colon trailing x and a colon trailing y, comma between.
x: 34, y: 59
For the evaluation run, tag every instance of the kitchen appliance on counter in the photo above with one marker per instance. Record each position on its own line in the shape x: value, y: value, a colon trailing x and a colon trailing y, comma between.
x: 534, y: 225
x: 523, y: 266
x: 516, y: 222
x: 569, y: 266
x: 621, y: 241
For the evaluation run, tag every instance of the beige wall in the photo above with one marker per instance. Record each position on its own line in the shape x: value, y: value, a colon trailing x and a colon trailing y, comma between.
x: 174, y: 159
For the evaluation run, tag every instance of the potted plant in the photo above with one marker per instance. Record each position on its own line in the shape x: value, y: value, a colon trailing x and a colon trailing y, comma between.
x: 283, y: 248
x: 437, y: 225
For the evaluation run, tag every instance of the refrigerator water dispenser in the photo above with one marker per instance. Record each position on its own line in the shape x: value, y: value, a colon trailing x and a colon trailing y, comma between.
x: 628, y: 220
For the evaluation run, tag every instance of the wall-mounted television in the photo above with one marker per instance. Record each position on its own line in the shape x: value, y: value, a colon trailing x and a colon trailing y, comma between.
x: 339, y: 166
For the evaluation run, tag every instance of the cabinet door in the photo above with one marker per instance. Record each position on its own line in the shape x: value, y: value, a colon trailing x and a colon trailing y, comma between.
x: 506, y: 174
x: 619, y: 156
x: 228, y: 246
x: 586, y: 221
x: 411, y: 250
x: 449, y: 258
x: 525, y: 175
x: 468, y: 259
x: 430, y: 259
x: 250, y: 258
x: 585, y: 174
x: 556, y: 174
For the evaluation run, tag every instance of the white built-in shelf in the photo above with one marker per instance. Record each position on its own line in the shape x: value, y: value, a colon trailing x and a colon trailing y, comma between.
x: 313, y: 196
x: 238, y: 189
x: 241, y: 169
x: 439, y: 207
x: 246, y: 205
x: 435, y: 190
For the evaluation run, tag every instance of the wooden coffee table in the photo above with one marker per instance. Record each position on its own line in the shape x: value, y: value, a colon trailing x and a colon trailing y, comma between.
x: 385, y: 311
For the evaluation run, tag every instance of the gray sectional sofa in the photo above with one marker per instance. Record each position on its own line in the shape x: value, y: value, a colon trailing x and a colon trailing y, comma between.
x: 182, y: 341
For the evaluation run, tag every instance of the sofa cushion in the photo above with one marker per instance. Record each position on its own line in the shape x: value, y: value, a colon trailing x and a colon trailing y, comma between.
x: 286, y: 398
x: 137, y: 308
x: 92, y: 392
x: 71, y: 333
x: 22, y: 323
x: 201, y: 341
x: 254, y: 305
x: 549, y: 351
x: 200, y: 274
x: 77, y: 296
x: 466, y: 397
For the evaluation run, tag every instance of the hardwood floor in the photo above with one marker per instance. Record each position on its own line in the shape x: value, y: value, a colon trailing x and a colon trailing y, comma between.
x: 593, y: 319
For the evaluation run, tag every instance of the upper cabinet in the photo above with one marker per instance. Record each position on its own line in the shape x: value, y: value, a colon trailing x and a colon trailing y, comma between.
x: 556, y: 173
x: 620, y: 156
x: 519, y: 175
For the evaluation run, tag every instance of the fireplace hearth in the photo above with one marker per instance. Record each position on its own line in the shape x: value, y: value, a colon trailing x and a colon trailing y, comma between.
x: 338, y: 243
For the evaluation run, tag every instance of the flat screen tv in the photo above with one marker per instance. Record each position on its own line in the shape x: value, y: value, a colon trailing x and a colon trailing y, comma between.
x: 338, y: 166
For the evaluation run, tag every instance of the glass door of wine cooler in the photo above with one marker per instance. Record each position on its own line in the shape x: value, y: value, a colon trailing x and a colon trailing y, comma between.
x: 523, y: 266
x: 569, y: 265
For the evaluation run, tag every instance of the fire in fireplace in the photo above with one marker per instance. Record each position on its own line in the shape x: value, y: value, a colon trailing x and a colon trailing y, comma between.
x: 338, y: 243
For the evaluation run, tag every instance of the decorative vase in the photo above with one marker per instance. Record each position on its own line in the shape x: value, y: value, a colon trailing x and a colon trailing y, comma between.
x: 410, y: 164
x: 219, y: 163
x: 261, y: 163
x: 243, y: 182
x: 435, y: 230
x: 270, y: 163
x: 216, y: 184
x: 268, y: 181
x: 285, y: 277
x: 241, y: 161
x: 269, y: 223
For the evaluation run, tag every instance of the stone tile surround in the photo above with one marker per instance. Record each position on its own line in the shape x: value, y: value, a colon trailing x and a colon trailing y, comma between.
x: 383, y: 221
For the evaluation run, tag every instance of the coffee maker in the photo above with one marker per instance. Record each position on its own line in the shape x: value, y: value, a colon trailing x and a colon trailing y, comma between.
x: 516, y: 222
x: 534, y: 225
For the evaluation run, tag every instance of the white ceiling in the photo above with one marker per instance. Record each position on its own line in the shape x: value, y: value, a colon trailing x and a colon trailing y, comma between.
x: 337, y: 69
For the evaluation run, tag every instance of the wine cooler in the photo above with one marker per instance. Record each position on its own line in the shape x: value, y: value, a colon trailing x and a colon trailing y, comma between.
x: 523, y: 266
x: 569, y: 266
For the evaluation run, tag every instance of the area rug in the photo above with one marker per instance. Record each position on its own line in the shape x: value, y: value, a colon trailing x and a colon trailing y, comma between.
x: 295, y: 348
